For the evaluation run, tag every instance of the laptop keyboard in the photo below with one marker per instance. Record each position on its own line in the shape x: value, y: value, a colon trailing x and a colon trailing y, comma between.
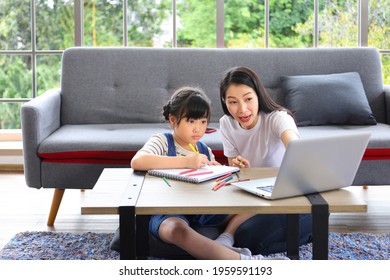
x: 266, y: 188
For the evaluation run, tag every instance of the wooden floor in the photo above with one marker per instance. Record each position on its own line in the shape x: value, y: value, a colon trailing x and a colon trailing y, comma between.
x: 26, y: 209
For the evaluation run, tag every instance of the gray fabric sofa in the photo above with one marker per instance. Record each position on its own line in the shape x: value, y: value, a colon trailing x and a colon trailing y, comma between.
x: 110, y: 102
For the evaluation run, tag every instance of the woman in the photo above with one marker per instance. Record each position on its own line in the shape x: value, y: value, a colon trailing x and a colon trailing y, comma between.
x: 256, y: 131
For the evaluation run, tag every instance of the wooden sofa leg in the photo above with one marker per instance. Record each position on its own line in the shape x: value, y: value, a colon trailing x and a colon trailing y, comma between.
x: 55, y: 205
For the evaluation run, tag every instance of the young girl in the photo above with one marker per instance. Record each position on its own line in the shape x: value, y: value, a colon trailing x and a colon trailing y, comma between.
x: 188, y: 112
x: 255, y: 132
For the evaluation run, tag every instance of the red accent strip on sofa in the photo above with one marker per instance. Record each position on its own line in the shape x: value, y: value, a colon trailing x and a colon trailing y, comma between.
x: 88, y: 155
x: 377, y: 154
x: 90, y: 161
x: 124, y: 157
x: 103, y: 157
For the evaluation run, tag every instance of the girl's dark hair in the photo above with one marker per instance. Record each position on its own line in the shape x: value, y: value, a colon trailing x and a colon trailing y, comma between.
x: 188, y: 102
x: 245, y: 76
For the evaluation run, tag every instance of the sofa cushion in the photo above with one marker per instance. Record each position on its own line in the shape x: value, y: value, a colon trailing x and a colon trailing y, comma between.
x: 88, y: 144
x: 327, y: 99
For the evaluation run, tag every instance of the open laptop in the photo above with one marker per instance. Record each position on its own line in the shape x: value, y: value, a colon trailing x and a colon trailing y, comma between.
x: 313, y: 165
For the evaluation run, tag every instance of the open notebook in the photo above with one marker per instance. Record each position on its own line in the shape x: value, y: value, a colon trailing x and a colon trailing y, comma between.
x: 194, y: 176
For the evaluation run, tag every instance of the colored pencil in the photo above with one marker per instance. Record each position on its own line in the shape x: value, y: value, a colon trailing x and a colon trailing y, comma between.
x: 200, y: 173
x: 222, y: 183
x: 188, y: 171
x: 223, y: 177
x: 166, y: 181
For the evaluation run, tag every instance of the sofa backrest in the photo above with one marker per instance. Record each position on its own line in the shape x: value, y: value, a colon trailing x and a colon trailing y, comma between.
x: 130, y: 85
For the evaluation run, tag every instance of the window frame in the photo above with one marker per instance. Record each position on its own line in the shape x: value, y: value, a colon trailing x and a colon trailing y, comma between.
x: 363, y: 15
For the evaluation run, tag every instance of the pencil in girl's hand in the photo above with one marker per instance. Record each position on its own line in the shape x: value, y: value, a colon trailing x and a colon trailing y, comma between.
x: 193, y: 148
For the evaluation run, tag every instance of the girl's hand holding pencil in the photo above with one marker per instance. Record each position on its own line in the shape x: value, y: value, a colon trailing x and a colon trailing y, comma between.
x: 197, y: 161
x: 202, y: 160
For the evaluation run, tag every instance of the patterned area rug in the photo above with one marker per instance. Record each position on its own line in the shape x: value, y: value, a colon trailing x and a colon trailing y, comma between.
x: 43, y: 245
x: 96, y: 246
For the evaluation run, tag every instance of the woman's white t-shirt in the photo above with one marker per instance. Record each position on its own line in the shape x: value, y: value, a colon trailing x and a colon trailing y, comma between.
x: 262, y: 144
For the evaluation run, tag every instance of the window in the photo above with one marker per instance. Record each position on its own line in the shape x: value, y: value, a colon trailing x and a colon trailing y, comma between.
x: 379, y: 32
x: 149, y: 23
x: 54, y: 26
x: 196, y: 23
x: 244, y: 24
x: 103, y: 23
x: 338, y: 23
x: 285, y: 21
x: 34, y: 33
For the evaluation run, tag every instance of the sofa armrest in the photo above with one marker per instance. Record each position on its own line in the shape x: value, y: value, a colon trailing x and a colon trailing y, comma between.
x: 40, y: 117
x: 386, y: 89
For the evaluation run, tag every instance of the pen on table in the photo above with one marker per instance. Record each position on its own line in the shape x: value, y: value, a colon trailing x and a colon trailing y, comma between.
x: 166, y: 181
x: 193, y: 148
x: 238, y: 176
